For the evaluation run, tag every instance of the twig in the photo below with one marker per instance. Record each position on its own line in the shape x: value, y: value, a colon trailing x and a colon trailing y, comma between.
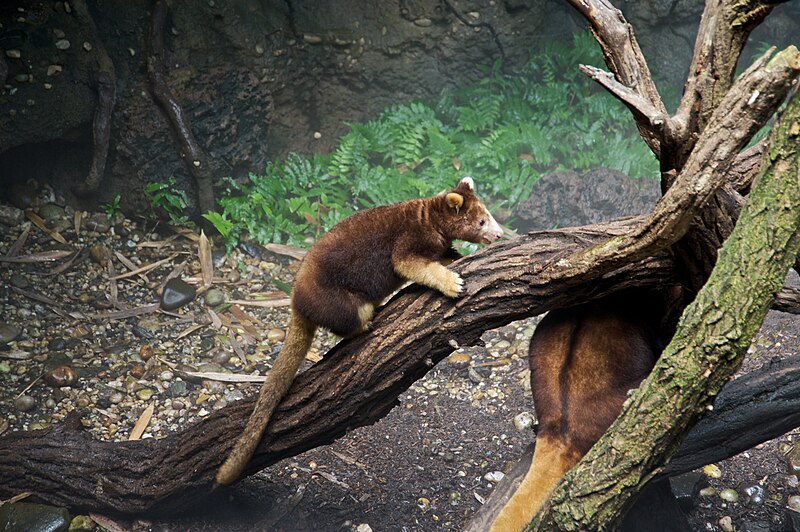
x: 15, y: 248
x: 43, y: 256
x: 147, y: 268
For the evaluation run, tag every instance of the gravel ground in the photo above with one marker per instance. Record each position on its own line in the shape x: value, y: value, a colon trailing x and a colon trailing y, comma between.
x: 425, y: 466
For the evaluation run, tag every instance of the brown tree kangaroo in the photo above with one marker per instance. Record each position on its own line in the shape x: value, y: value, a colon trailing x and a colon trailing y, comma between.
x: 583, y: 361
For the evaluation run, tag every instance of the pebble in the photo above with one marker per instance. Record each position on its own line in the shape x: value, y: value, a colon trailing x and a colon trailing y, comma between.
x: 707, y: 492
x: 214, y: 297
x: 8, y: 333
x: 145, y: 394
x: 177, y: 388
x: 53, y: 70
x: 59, y: 376
x: 99, y: 223
x: 176, y: 294
x: 62, y: 44
x: 494, y: 476
x: 755, y: 494
x: 221, y: 357
x: 24, y: 403
x: 459, y: 360
x: 794, y: 503
x: 100, y: 254
x: 312, y: 39
x: 51, y: 211
x: 10, y: 215
x: 726, y: 524
x: 81, y: 523
x: 13, y: 54
x: 729, y: 495
x: 18, y: 280
x: 793, y: 459
x: 712, y: 471
x: 276, y: 335
x: 363, y: 527
x: 524, y: 421
x: 423, y: 22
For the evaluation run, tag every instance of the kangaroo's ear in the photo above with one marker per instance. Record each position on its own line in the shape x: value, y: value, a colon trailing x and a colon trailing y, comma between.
x: 466, y: 183
x: 455, y: 200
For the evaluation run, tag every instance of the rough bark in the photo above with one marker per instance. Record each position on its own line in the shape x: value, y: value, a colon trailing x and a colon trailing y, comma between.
x: 707, y: 348
x: 196, y: 160
x: 355, y: 384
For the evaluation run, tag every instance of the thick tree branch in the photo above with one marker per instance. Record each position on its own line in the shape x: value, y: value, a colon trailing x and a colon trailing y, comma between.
x: 724, y: 28
x: 752, y: 100
x: 708, y: 347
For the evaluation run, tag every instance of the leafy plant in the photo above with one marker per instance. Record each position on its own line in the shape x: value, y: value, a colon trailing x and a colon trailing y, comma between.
x: 169, y: 199
x: 506, y: 130
x: 113, y: 209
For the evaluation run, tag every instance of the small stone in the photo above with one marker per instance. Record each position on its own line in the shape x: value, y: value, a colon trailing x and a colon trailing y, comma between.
x: 8, y: 333
x: 423, y: 22
x: 54, y: 70
x: 729, y: 495
x: 51, y: 211
x: 24, y: 403
x: 726, y: 524
x: 146, y: 352
x: 166, y: 375
x: 99, y: 223
x: 87, y: 46
x: 317, y: 135
x: 494, y: 476
x: 116, y: 398
x: 145, y: 394
x: 474, y: 376
x: 221, y: 357
x: 214, y: 297
x: 459, y: 360
x: 793, y: 459
x: 59, y: 376
x: 424, y: 504
x: 755, y: 494
x: 712, y: 471
x: 524, y: 421
x: 18, y: 280
x: 793, y: 503
x: 62, y: 44
x: 176, y: 294
x: 11, y: 216
x: 82, y: 401
x: 363, y: 527
x: 21, y: 78
x: 137, y: 372
x: 59, y: 34
x: 207, y: 344
x: 312, y: 39
x: 13, y: 54
x: 707, y: 492
x: 81, y: 523
x: 276, y: 335
x: 29, y: 516
x: 100, y: 254
x: 177, y: 388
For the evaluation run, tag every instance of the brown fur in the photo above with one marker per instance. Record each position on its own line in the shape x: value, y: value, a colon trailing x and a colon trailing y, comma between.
x: 583, y: 362
x: 352, y: 269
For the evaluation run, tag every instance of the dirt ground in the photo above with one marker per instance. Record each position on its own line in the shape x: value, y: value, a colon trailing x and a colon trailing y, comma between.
x: 428, y: 465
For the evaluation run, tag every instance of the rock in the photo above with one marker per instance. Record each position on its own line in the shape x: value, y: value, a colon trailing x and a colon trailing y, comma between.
x: 81, y: 523
x: 207, y: 344
x: 145, y: 394
x: 793, y: 503
x: 99, y: 223
x: 686, y: 487
x: 276, y: 335
x: 8, y: 333
x: 214, y: 297
x: 59, y: 376
x: 24, y: 403
x: 712, y: 471
x: 568, y: 199
x: 793, y: 459
x: 100, y: 254
x: 729, y: 495
x: 62, y: 44
x: 524, y: 421
x: 51, y: 211
x: 726, y: 523
x: 755, y: 494
x: 176, y: 294
x: 177, y: 388
x: 28, y: 516
x: 11, y: 216
x: 18, y: 280
x: 459, y: 360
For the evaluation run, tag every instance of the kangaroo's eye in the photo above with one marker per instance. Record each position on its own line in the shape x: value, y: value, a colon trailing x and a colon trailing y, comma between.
x: 482, y: 222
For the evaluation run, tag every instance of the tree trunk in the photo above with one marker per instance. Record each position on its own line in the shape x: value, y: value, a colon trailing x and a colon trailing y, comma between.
x: 707, y: 348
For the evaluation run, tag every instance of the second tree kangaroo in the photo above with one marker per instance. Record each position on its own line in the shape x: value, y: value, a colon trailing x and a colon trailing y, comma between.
x: 583, y: 362
x: 352, y: 269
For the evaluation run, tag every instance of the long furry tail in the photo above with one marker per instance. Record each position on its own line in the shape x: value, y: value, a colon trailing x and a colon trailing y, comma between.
x: 297, y: 344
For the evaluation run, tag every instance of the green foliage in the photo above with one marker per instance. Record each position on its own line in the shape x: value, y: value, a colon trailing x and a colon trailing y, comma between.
x: 166, y: 197
x: 113, y: 209
x: 506, y: 131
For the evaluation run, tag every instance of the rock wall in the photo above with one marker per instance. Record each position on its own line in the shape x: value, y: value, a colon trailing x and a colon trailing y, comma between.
x: 261, y: 78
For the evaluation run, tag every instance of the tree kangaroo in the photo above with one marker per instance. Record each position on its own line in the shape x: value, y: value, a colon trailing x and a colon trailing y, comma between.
x: 352, y: 269
x: 583, y: 361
